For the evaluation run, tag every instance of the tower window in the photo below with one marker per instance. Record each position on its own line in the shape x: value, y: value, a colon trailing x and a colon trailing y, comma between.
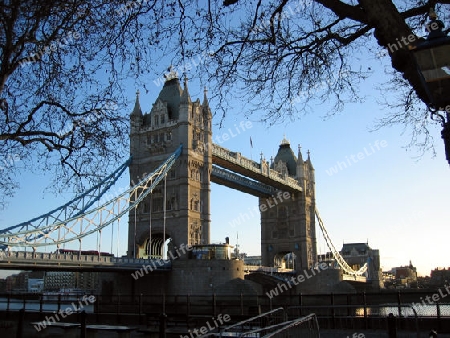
x: 163, y: 119
x: 156, y: 120
x: 169, y: 136
x: 146, y: 207
x: 157, y: 204
x: 172, y: 173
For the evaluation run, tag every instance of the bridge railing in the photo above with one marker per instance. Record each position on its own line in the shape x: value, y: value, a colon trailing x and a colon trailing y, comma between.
x: 74, y: 257
x: 265, y: 269
x: 30, y: 255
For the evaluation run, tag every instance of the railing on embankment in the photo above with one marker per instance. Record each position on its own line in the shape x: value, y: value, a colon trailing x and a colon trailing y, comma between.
x: 334, y: 311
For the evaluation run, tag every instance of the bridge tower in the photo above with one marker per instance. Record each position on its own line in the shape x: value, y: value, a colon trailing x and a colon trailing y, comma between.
x: 288, y: 224
x: 173, y: 120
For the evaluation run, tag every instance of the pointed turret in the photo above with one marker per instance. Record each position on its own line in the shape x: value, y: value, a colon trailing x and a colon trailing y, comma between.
x: 136, y: 122
x: 205, y: 103
x: 137, y: 111
x: 185, y: 97
x: 299, y: 157
x: 300, y: 163
x: 309, y: 161
x: 207, y: 116
x: 310, y: 167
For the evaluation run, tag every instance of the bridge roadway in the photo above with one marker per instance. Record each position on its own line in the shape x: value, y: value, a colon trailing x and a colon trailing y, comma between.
x: 27, y: 260
x: 289, y: 272
x: 251, y: 172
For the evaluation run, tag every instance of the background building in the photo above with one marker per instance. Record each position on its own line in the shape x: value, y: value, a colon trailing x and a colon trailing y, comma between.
x: 358, y: 254
x: 56, y: 280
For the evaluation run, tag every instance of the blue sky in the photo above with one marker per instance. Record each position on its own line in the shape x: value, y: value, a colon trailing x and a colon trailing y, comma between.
x: 387, y: 196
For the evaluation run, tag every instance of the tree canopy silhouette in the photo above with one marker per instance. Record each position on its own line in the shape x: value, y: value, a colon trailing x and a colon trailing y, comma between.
x: 64, y: 66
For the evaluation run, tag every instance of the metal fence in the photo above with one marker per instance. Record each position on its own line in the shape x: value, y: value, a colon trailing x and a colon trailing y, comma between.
x: 333, y: 311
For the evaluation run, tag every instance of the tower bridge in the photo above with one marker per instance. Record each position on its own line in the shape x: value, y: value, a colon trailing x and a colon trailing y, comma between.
x: 174, y: 163
x: 175, y: 119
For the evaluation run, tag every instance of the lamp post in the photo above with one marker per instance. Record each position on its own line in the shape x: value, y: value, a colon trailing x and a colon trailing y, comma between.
x: 433, y: 64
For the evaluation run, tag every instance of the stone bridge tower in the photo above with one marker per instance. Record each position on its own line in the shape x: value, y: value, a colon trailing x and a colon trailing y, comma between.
x: 173, y: 120
x: 288, y: 235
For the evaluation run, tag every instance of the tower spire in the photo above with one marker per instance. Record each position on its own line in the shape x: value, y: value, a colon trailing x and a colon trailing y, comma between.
x: 185, y: 97
x: 309, y: 160
x: 205, y: 103
x: 137, y: 111
x: 300, y: 157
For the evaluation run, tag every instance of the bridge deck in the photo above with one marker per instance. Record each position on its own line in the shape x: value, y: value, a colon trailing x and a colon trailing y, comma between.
x: 68, y: 262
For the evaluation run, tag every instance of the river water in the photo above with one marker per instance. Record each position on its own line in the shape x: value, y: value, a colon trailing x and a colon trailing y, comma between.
x: 421, y: 310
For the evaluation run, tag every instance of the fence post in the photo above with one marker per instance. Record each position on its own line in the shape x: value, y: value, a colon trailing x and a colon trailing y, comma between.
x: 19, y: 333
x: 438, y: 315
x: 365, y: 310
x: 118, y: 307
x: 348, y: 303
x: 164, y: 302
x: 97, y: 307
x: 399, y: 302
x: 188, y: 299
x: 59, y: 302
x: 41, y: 305
x: 392, y: 326
x: 83, y: 324
x: 332, y: 311
x: 162, y: 325
x: 300, y: 302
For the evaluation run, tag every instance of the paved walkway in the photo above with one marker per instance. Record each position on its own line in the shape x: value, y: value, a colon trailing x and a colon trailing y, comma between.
x: 374, y: 334
x: 30, y: 332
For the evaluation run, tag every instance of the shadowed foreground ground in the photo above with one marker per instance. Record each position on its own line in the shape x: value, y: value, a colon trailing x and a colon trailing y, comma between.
x: 29, y: 331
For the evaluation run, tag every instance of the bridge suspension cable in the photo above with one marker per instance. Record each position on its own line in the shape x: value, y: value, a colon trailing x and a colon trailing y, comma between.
x: 61, y: 225
x: 339, y: 259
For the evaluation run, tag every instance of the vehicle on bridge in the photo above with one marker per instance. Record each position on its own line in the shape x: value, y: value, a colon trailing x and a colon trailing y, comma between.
x: 83, y: 252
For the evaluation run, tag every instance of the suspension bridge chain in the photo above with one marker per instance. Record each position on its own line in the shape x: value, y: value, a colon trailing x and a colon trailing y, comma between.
x: 53, y: 229
x: 340, y: 260
x: 76, y: 206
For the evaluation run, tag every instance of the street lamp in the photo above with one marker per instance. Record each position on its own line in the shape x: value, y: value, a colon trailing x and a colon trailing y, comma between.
x: 432, y: 58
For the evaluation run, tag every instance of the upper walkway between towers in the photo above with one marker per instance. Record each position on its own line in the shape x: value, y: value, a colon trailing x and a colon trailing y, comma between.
x: 260, y: 172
